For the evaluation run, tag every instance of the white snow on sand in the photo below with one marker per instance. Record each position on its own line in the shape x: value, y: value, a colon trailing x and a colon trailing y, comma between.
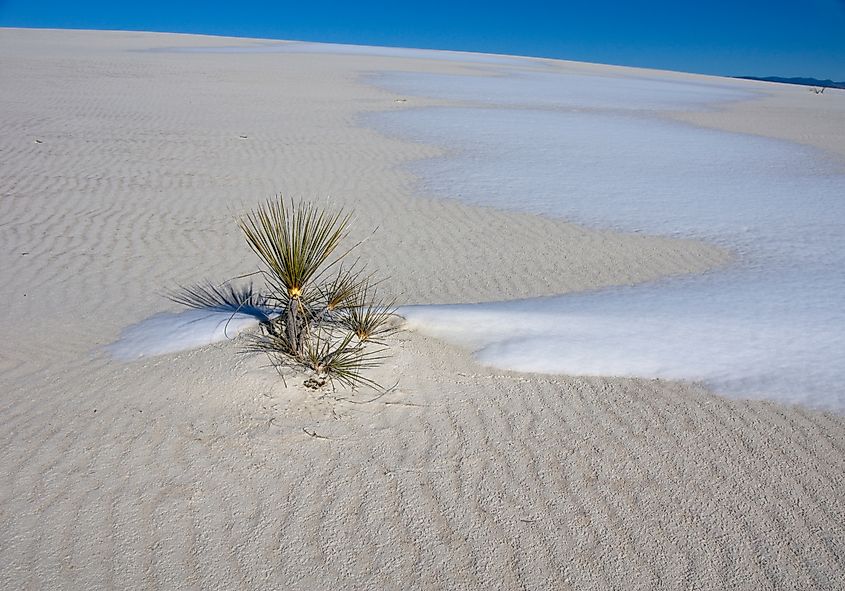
x: 171, y: 332
x: 771, y: 326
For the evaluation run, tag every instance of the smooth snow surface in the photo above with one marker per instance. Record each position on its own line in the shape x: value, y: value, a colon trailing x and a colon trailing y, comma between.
x: 170, y: 332
x: 771, y: 326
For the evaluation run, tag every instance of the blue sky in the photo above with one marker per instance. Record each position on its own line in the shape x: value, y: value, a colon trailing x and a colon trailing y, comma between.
x: 738, y: 37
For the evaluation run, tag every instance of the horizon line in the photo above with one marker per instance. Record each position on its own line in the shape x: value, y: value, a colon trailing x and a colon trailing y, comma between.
x: 467, y: 51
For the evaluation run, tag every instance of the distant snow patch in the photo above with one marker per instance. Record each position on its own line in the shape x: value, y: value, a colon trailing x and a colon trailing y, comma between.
x: 562, y: 90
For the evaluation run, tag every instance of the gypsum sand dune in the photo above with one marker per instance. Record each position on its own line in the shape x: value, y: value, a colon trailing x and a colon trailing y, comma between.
x: 200, y: 469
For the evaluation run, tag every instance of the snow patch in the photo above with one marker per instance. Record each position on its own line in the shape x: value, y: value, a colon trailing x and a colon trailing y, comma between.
x: 771, y: 326
x: 170, y: 332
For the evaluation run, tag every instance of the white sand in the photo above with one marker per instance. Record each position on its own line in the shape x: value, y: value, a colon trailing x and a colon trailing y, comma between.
x: 120, y: 173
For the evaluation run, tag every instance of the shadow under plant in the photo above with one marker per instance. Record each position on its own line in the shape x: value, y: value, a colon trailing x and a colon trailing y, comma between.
x: 316, y: 314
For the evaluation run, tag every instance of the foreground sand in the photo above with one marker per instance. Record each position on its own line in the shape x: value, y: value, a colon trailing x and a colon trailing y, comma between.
x: 201, y: 470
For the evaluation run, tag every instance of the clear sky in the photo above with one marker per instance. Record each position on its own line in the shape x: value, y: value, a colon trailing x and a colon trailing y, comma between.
x: 729, y: 37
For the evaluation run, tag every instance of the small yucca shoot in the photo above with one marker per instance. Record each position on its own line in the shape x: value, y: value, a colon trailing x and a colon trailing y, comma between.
x: 370, y: 318
x: 343, y: 290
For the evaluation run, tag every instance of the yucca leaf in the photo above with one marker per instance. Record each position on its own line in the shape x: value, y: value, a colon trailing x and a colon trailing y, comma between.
x: 224, y: 297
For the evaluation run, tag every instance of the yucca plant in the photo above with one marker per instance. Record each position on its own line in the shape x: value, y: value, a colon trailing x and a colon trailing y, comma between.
x: 316, y: 313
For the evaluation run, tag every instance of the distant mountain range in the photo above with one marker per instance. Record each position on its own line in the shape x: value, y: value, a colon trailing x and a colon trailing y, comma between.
x: 802, y: 81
